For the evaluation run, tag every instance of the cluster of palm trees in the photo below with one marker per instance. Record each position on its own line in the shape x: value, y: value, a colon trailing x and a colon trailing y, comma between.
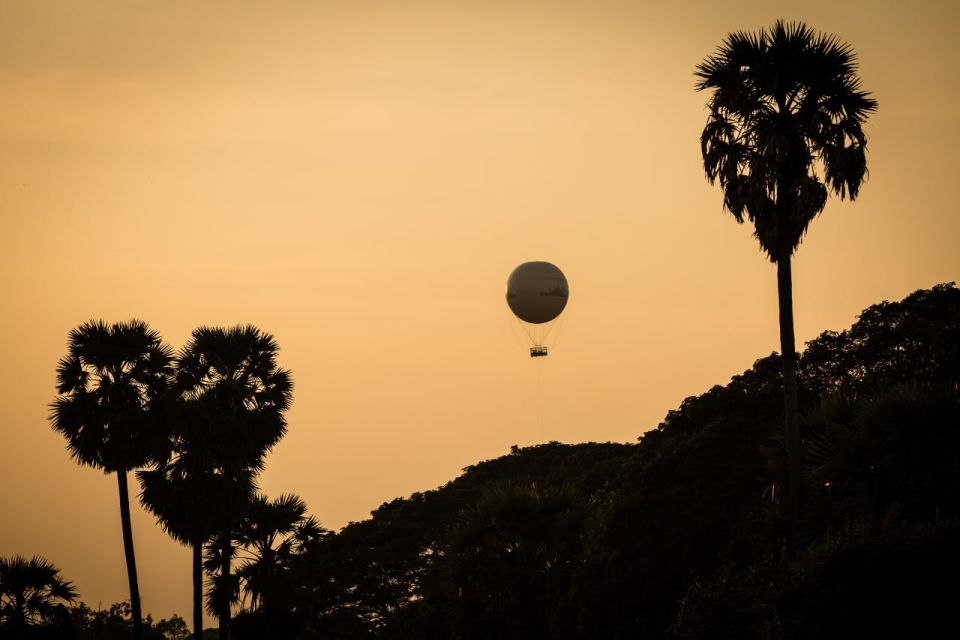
x: 195, y: 426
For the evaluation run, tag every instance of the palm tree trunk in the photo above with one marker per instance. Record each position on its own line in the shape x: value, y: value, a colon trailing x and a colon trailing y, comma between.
x: 128, y: 551
x: 788, y: 359
x: 197, y: 590
x: 18, y: 617
x: 225, y: 552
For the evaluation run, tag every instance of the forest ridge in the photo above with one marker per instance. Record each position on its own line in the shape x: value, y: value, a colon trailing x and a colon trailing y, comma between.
x: 678, y: 534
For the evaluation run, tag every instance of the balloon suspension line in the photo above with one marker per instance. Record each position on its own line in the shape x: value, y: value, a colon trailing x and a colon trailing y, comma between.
x: 527, y: 330
x: 543, y: 434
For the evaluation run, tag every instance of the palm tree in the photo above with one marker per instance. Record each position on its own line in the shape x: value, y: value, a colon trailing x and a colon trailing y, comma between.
x: 31, y: 594
x: 110, y: 385
x: 785, y: 129
x: 231, y: 378
x: 190, y: 498
x: 270, y: 534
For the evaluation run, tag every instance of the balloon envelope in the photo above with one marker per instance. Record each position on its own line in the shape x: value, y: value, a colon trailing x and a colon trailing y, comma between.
x: 537, y: 292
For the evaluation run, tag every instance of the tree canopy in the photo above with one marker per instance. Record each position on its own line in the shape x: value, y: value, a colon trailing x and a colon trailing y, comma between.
x: 649, y: 527
x: 678, y: 534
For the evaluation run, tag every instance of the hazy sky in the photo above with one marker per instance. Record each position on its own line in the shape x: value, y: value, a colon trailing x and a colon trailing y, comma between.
x: 359, y: 178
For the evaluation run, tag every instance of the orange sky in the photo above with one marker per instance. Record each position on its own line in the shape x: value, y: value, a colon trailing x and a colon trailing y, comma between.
x: 359, y: 178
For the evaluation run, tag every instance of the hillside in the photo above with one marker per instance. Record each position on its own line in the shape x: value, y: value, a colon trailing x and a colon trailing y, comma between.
x: 680, y: 535
x: 612, y: 540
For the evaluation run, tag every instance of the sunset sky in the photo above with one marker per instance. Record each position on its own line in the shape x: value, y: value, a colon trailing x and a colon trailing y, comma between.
x: 359, y: 179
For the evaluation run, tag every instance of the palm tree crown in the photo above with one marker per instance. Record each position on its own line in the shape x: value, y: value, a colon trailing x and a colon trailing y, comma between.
x: 31, y: 591
x: 785, y: 126
x: 108, y: 384
x: 271, y: 533
x: 188, y: 498
x: 233, y: 377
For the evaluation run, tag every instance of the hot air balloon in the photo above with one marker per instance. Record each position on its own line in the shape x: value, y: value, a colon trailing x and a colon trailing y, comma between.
x: 537, y: 292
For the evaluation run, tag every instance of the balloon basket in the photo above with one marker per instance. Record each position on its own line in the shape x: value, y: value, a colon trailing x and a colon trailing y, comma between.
x: 538, y: 352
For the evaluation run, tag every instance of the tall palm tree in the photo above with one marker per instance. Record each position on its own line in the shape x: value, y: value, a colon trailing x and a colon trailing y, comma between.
x: 31, y: 593
x: 785, y: 129
x: 240, y: 395
x: 189, y: 497
x: 110, y: 384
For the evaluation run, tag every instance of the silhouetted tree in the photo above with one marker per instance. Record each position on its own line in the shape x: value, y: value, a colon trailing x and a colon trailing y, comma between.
x: 115, y: 623
x: 873, y: 579
x: 892, y: 449
x: 916, y: 339
x: 32, y: 594
x: 509, y: 562
x: 173, y: 628
x: 271, y: 535
x: 109, y: 383
x: 380, y: 576
x: 785, y: 127
x: 190, y: 497
x: 238, y: 395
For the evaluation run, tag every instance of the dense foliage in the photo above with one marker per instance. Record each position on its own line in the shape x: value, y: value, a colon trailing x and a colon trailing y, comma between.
x: 671, y: 535
x: 114, y: 623
x: 682, y: 534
